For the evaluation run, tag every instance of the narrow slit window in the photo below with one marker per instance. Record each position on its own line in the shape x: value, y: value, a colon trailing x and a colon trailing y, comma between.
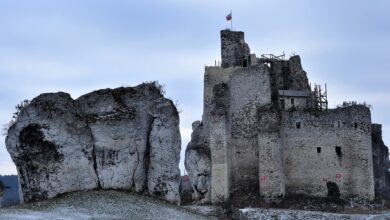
x: 245, y: 63
x: 356, y: 125
x: 298, y: 125
x: 282, y: 103
x: 292, y: 102
x: 318, y: 150
x: 338, y: 151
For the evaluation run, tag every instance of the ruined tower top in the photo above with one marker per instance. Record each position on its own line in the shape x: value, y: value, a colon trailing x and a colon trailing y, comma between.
x: 234, y: 50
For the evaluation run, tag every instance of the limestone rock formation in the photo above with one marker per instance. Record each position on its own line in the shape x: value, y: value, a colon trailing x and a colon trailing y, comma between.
x: 2, y: 188
x: 198, y: 163
x: 163, y: 172
x: 297, y: 78
x: 380, y: 154
x: 51, y: 145
x: 124, y: 138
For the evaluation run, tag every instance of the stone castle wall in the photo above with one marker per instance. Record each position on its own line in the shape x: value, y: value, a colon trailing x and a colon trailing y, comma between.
x: 233, y: 47
x: 216, y: 102
x: 250, y: 91
x: 256, y: 146
x: 232, y: 129
x: 332, y: 146
x: 299, y: 103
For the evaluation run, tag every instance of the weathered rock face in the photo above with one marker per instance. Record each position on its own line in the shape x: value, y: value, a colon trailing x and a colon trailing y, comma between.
x: 289, y: 74
x: 198, y: 163
x: 125, y: 138
x: 163, y: 172
x: 2, y: 188
x: 119, y: 122
x: 51, y: 145
x: 380, y: 154
x: 297, y: 77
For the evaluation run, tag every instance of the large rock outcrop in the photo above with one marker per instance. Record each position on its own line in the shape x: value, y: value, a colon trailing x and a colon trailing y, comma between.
x: 51, y: 146
x: 296, y: 77
x: 380, y: 154
x: 198, y: 163
x: 124, y: 138
x: 2, y: 188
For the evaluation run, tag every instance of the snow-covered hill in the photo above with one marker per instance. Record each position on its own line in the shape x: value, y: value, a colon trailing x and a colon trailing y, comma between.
x: 99, y: 205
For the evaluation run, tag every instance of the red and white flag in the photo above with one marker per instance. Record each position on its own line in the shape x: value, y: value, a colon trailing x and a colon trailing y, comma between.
x: 229, y: 17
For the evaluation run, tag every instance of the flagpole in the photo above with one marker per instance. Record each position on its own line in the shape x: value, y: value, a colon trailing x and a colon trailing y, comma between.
x: 231, y: 21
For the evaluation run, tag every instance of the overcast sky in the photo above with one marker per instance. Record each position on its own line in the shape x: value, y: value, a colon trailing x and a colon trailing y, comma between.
x: 78, y: 46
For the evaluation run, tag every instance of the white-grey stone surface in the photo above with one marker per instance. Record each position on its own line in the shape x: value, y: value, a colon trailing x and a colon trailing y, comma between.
x: 311, y: 159
x: 51, y: 146
x: 163, y: 172
x: 124, y: 138
x: 198, y: 163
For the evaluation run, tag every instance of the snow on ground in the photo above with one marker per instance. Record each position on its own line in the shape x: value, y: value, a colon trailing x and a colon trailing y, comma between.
x: 285, y: 214
x: 125, y: 205
x: 98, y: 205
x: 57, y: 213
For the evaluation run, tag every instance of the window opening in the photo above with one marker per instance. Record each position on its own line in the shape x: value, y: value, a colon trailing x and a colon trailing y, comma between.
x: 338, y: 151
x: 282, y: 103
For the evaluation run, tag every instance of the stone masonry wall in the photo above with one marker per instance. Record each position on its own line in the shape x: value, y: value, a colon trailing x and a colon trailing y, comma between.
x: 250, y: 91
x: 299, y: 103
x: 247, y: 144
x: 204, y: 146
x: 232, y: 129
x: 271, y: 170
x: 215, y: 107
x: 332, y: 146
x: 233, y: 47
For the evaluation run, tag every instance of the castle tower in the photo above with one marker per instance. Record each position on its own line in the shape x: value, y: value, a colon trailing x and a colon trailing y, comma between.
x: 234, y: 50
x: 259, y: 135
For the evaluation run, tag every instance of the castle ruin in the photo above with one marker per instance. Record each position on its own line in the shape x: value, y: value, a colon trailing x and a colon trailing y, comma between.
x: 266, y: 130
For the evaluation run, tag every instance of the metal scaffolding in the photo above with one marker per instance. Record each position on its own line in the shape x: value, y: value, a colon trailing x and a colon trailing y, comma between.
x: 273, y: 57
x: 320, y: 98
